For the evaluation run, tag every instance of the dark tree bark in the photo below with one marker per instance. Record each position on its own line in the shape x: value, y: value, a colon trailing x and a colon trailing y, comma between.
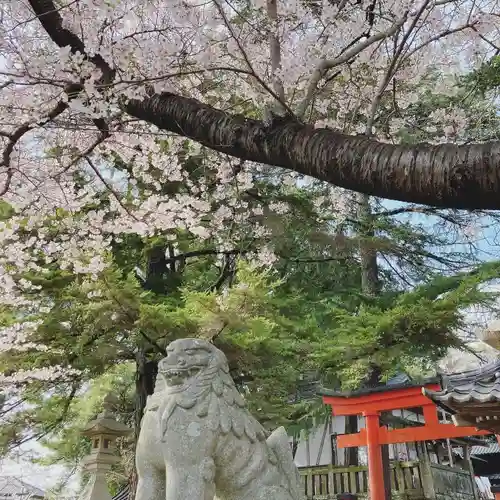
x: 156, y: 269
x: 447, y: 175
x: 370, y: 282
x: 386, y: 464
x: 145, y: 378
x: 146, y: 370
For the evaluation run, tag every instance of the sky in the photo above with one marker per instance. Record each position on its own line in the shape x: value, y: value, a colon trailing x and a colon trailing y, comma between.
x: 22, y: 468
x: 485, y: 236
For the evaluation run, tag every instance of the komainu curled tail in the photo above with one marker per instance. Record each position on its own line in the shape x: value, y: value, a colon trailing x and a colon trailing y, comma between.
x: 278, y: 442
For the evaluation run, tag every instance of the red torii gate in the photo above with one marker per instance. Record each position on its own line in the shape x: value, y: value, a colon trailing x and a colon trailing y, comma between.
x: 370, y: 405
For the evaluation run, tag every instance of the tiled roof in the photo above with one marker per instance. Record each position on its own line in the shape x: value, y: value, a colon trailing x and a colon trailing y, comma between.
x: 11, y: 485
x: 473, y: 396
x: 377, y: 389
x: 310, y: 387
x: 485, y: 450
x: 481, y: 385
x: 399, y: 379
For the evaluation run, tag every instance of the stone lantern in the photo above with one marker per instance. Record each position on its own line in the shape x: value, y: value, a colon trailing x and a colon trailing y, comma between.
x: 103, y: 432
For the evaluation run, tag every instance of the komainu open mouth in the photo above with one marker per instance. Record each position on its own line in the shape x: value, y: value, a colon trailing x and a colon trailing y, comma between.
x: 177, y: 376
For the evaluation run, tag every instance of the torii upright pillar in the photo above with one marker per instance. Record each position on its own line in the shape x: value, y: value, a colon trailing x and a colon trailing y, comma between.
x: 376, y: 484
x: 370, y: 404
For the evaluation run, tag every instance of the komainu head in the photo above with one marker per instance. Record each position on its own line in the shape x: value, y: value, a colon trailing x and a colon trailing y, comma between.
x: 188, y: 362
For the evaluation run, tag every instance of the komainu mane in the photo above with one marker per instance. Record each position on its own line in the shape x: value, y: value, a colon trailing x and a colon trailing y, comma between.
x: 198, y: 441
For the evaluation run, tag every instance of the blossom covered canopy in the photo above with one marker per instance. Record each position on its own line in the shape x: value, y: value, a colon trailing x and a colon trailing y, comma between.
x: 99, y: 97
x: 88, y: 77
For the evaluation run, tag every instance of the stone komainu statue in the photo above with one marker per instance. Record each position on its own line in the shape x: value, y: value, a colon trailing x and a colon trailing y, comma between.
x: 198, y: 441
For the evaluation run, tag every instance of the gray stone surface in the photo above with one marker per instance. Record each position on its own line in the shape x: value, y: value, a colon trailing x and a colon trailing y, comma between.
x: 103, y: 432
x: 199, y: 442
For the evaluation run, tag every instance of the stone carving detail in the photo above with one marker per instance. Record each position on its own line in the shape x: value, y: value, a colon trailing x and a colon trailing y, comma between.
x: 198, y: 441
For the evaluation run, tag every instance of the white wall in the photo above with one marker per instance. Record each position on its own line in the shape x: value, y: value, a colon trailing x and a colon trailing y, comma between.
x: 315, y: 448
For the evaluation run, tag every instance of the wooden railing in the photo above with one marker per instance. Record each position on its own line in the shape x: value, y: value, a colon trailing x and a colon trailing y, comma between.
x: 326, y: 482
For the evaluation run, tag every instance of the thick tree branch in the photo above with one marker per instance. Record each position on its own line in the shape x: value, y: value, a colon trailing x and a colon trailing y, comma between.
x: 17, y: 135
x: 51, y: 20
x: 202, y: 252
x: 213, y: 251
x: 416, y: 210
x: 446, y: 175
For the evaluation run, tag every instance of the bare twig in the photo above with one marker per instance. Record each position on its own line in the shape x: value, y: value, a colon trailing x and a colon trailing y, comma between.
x: 484, y: 39
x: 327, y: 64
x: 6, y: 84
x: 392, y: 69
x: 109, y: 187
x: 87, y: 152
x: 435, y: 39
x: 261, y: 82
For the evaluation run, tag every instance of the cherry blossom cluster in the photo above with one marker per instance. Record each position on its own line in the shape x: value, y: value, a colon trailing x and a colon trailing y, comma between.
x: 333, y: 64
x: 16, y: 336
x: 9, y: 382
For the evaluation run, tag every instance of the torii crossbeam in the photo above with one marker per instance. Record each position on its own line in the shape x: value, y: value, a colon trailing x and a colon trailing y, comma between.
x: 370, y: 404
